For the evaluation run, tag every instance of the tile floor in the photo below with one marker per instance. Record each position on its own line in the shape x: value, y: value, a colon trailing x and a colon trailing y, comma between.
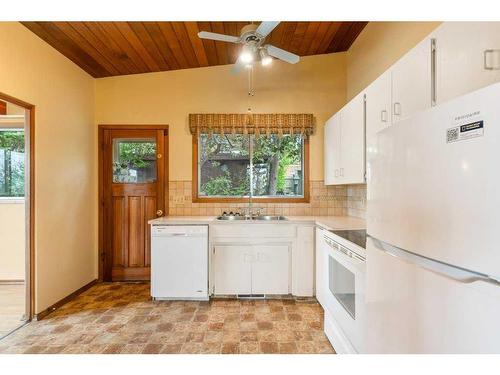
x: 12, y: 307
x: 121, y: 318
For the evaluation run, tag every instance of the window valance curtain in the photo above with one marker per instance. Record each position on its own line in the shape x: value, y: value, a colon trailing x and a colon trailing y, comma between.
x: 255, y: 123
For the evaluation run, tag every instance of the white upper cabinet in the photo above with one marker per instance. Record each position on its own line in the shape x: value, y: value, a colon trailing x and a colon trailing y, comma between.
x: 412, y: 82
x: 332, y: 149
x: 378, y: 105
x: 345, y: 145
x: 468, y: 57
x: 352, y: 142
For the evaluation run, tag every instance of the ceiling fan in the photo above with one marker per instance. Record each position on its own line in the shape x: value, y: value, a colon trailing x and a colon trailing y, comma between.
x: 252, y: 37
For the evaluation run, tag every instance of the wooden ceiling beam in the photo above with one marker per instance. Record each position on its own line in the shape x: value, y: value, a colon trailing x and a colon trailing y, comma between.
x: 156, y: 34
x: 220, y: 47
x: 196, y: 42
x: 58, y: 40
x: 137, y: 45
x: 114, y: 49
x: 185, y: 42
x: 173, y: 43
x: 149, y: 44
x: 209, y: 45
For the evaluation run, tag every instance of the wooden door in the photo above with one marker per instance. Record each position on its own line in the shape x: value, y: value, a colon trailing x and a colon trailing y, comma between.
x: 134, y: 191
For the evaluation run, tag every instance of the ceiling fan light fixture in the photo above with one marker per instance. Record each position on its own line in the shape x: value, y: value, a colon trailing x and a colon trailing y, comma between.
x: 265, y: 59
x: 246, y: 55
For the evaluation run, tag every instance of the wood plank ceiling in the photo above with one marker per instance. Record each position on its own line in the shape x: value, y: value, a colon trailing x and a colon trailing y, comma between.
x: 117, y: 48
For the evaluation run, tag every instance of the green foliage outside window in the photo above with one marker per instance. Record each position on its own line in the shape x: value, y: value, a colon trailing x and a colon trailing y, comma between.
x: 224, y: 163
x: 12, y: 163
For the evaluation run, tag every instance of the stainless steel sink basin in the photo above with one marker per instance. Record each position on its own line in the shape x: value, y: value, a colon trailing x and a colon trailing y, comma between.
x: 231, y: 217
x: 260, y: 218
x: 270, y: 218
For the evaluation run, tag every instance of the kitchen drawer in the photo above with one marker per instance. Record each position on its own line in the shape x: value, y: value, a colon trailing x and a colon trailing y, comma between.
x: 252, y: 230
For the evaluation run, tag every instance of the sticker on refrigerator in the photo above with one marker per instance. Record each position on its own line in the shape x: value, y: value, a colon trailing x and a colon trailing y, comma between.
x: 466, y: 131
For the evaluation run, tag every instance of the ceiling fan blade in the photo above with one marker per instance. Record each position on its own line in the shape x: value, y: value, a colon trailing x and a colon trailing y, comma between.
x: 266, y: 27
x: 219, y: 37
x: 282, y: 54
x: 237, y: 67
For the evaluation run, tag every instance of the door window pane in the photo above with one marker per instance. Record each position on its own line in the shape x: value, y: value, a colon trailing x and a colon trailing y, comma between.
x: 342, y: 285
x: 12, y: 163
x: 134, y: 160
x: 224, y: 165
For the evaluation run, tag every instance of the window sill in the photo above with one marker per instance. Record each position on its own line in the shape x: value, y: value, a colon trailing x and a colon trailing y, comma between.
x: 246, y: 200
x: 12, y: 200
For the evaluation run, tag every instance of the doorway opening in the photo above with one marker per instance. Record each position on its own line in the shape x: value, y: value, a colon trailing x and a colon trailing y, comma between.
x: 133, y: 188
x: 16, y: 213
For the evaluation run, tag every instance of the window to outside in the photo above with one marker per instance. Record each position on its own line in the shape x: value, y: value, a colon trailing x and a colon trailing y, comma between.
x: 269, y: 166
x: 134, y: 160
x: 11, y: 163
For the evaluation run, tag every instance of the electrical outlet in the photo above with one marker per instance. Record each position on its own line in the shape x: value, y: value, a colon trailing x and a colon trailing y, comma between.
x: 179, y: 199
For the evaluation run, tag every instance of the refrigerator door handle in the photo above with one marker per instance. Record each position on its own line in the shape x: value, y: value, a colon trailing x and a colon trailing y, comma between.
x: 456, y: 273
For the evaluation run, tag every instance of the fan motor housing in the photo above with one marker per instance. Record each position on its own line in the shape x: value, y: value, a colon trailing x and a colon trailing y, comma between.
x: 249, y: 35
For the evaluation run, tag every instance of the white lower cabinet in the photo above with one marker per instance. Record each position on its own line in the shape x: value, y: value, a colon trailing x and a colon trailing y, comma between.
x: 251, y: 269
x: 232, y: 269
x: 303, y: 262
x: 271, y: 269
x: 262, y: 259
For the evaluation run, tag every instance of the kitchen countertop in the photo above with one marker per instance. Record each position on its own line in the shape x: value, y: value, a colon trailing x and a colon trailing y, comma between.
x: 327, y: 222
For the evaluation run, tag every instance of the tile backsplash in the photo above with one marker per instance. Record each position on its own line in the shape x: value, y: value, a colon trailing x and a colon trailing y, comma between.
x: 356, y: 200
x: 325, y: 201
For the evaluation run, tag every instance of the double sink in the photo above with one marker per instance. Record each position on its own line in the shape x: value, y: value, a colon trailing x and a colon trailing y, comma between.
x: 249, y: 218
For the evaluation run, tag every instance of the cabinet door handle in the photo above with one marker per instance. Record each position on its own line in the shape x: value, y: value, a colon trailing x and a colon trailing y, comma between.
x: 433, y: 72
x: 397, y: 109
x: 490, y: 62
x: 336, y: 172
x: 383, y: 116
x: 341, y: 172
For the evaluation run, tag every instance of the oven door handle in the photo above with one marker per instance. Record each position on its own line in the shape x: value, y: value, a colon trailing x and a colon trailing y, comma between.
x: 453, y: 272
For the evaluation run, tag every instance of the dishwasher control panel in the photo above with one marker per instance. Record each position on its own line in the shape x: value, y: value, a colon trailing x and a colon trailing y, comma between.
x: 181, y: 230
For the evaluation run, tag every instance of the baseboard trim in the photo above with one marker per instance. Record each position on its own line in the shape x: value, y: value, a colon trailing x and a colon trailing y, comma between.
x: 43, y: 314
x: 11, y: 282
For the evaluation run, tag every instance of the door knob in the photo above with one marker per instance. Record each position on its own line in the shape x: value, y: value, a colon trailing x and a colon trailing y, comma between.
x: 159, y: 213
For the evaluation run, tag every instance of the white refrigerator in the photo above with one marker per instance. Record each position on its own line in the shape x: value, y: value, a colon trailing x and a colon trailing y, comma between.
x: 433, y: 220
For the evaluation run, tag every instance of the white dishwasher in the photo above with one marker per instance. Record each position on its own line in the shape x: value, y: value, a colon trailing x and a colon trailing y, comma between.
x: 179, y: 262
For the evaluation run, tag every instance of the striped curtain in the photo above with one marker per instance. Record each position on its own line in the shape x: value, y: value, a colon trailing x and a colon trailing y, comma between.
x: 258, y: 123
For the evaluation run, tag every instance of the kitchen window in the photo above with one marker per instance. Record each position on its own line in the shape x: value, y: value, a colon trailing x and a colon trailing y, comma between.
x: 233, y: 167
x: 11, y: 163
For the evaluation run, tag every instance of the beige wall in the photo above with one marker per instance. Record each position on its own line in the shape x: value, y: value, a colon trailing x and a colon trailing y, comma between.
x: 66, y: 241
x: 379, y: 46
x: 316, y: 85
x: 12, y: 250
